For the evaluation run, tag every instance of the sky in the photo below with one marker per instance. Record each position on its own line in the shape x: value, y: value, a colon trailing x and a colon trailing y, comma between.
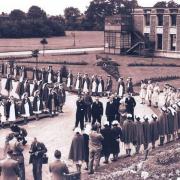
x: 56, y: 7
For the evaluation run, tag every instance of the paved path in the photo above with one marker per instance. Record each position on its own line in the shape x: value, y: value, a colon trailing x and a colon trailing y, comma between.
x: 54, y: 51
x: 57, y: 133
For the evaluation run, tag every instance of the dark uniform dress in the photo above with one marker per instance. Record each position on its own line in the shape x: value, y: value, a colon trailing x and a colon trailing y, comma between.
x: 146, y: 131
x: 97, y: 112
x: 117, y: 103
x: 154, y: 132
x: 110, y: 112
x: 130, y: 105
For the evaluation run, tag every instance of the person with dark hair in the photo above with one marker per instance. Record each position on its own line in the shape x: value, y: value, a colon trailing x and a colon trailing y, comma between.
x: 69, y: 82
x: 94, y: 85
x: 77, y: 153
x: 37, y: 152
x: 50, y: 75
x: 117, y: 103
x: 107, y: 141
x: 121, y: 87
x: 100, y: 88
x: 129, y: 86
x: 80, y: 112
x: 61, y: 94
x: 8, y: 85
x: 2, y: 112
x: 27, y: 87
x: 95, y: 148
x: 58, y: 168
x: 43, y: 75
x: 109, y: 84
x: 97, y: 111
x: 142, y: 93
x: 78, y: 83
x: 85, y: 83
x: 9, y: 169
x: 35, y: 87
x: 35, y: 74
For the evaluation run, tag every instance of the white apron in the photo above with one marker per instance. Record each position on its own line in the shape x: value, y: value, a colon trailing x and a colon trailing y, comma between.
x: 2, y: 114
x: 77, y: 84
x: 12, y: 113
x: 100, y: 88
x: 85, y: 88
x: 94, y: 86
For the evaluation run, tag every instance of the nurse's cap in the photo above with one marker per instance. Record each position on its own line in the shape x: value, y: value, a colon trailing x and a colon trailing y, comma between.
x: 163, y: 108
x: 106, y: 123
x: 145, y: 117
x: 154, y: 116
x: 115, y: 122
x: 77, y: 130
x: 137, y: 117
x: 129, y: 116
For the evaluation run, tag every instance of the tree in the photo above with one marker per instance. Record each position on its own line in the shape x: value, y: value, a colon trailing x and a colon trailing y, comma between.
x: 35, y: 54
x: 36, y: 12
x: 17, y: 15
x: 160, y: 4
x: 172, y: 4
x: 44, y: 42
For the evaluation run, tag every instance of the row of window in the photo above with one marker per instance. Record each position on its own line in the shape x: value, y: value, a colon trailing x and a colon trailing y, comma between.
x: 173, y: 18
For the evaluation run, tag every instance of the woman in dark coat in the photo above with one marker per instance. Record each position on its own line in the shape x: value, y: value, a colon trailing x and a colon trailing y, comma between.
x: 154, y: 134
x: 45, y: 94
x: 8, y: 85
x: 27, y: 87
x: 77, y: 153
x: 26, y: 108
x: 116, y: 137
x: 20, y: 89
x: 107, y: 141
x: 35, y: 87
x: 139, y: 134
x: 52, y: 102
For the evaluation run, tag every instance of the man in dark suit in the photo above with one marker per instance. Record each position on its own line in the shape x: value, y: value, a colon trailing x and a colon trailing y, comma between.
x: 9, y: 168
x: 110, y: 110
x: 58, y: 168
x: 97, y: 111
x: 37, y: 151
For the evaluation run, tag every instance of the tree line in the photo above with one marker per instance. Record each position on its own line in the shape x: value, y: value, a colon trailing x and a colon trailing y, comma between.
x: 36, y: 23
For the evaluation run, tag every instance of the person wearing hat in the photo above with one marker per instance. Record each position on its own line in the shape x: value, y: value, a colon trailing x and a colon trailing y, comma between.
x: 85, y: 83
x: 80, y: 112
x: 69, y: 82
x: 77, y: 153
x: 142, y: 93
x: 154, y: 133
x: 97, y: 111
x: 95, y: 148
x: 100, y: 88
x: 78, y: 83
x: 58, y: 168
x: 162, y: 125
x: 139, y: 133
x: 109, y: 84
x: 116, y: 137
x: 130, y: 104
x: 110, y: 110
x: 94, y: 85
x: 146, y: 132
x: 129, y: 86
x: 9, y: 167
x: 155, y: 95
x: 37, y: 104
x: 121, y: 87
x: 107, y: 141
x: 149, y: 92
x: 128, y: 132
x: 26, y: 108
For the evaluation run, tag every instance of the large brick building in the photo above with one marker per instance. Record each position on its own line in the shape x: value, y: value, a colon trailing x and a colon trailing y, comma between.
x: 148, y: 30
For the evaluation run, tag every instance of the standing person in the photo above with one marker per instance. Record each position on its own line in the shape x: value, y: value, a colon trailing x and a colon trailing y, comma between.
x: 59, y: 77
x: 110, y: 110
x: 154, y: 133
x: 142, y: 93
x: 19, y: 157
x: 61, y: 95
x: 58, y: 168
x: 12, y: 110
x: 149, y: 92
x: 15, y: 69
x: 27, y: 87
x: 116, y: 134
x: 37, y: 104
x: 117, y: 103
x: 26, y: 108
x: 45, y: 95
x: 43, y: 75
x: 100, y: 88
x: 3, y: 112
x: 128, y: 132
x: 162, y: 125
x: 155, y: 95
x: 109, y: 84
x: 80, y: 112
x: 95, y: 148
x: 139, y: 134
x: 35, y: 87
x: 88, y: 103
x: 70, y: 80
x: 78, y: 83
x: 129, y: 86
x: 9, y: 168
x: 130, y: 104
x: 97, y: 111
x: 37, y: 152
x: 8, y: 85
x: 77, y: 153
x: 50, y: 75
x: 94, y: 85
x: 107, y: 141
x: 35, y: 74
x: 85, y: 83
x: 121, y: 87
x: 20, y: 89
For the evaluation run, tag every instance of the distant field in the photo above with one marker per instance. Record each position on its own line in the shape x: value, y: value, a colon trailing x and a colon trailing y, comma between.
x: 83, y: 39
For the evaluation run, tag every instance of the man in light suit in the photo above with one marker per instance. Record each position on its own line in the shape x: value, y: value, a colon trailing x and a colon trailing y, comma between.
x: 58, y: 168
x: 9, y: 168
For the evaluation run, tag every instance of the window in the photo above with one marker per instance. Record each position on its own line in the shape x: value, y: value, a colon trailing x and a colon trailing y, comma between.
x: 173, y: 19
x: 110, y: 39
x: 172, y: 42
x: 160, y: 19
x: 147, y: 19
x: 159, y: 41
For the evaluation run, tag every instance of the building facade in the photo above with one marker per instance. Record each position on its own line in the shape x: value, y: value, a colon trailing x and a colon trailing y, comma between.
x: 157, y: 29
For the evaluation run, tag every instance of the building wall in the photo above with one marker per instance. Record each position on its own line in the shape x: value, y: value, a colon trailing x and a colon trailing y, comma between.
x: 178, y: 32
x: 166, y: 25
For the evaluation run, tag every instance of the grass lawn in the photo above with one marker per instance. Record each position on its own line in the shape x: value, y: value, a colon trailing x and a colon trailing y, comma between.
x: 83, y: 39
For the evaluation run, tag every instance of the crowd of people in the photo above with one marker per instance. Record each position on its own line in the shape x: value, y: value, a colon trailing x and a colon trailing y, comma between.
x: 96, y: 138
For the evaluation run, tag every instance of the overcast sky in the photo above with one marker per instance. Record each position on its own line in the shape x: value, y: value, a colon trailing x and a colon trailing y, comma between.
x: 55, y: 7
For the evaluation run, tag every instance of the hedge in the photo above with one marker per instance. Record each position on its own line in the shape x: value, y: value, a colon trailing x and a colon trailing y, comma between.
x: 152, y: 64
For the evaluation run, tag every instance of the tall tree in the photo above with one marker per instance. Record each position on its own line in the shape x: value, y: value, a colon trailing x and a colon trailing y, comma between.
x: 36, y: 12
x: 160, y: 4
x: 17, y: 15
